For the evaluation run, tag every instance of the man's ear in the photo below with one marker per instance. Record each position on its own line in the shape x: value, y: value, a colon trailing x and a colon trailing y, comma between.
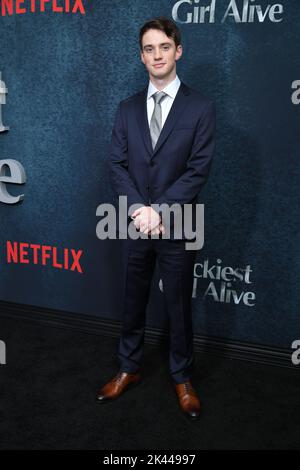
x: 142, y: 57
x: 179, y: 52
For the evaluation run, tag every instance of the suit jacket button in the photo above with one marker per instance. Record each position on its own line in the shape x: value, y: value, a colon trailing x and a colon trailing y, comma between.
x: 152, y: 163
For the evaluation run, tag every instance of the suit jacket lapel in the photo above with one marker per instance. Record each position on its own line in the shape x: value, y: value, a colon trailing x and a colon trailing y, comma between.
x: 176, y: 110
x: 142, y: 119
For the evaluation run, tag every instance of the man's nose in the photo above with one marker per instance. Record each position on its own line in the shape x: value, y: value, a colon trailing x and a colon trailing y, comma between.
x: 157, y: 53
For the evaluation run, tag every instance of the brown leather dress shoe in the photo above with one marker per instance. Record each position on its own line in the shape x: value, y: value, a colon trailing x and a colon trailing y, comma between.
x: 188, y: 399
x: 116, y: 386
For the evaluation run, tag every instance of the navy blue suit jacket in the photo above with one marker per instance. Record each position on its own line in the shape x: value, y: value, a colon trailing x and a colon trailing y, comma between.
x: 178, y: 167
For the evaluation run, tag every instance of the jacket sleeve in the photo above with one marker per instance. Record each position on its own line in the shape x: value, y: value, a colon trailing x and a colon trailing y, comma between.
x: 185, y: 189
x: 118, y: 163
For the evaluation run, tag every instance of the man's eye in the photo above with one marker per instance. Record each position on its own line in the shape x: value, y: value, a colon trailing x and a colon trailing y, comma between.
x: 166, y: 48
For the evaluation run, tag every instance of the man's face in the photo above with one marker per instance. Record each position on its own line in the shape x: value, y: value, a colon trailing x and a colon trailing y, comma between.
x: 159, y: 53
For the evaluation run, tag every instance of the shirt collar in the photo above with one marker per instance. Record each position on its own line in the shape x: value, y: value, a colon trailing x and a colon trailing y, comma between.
x: 171, y: 89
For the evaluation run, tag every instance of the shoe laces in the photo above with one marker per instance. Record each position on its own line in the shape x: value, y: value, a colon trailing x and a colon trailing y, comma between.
x: 118, y: 377
x: 186, y: 386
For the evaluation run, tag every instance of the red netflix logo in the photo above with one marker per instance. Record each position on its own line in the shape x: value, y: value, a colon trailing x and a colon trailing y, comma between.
x: 31, y: 253
x: 10, y: 7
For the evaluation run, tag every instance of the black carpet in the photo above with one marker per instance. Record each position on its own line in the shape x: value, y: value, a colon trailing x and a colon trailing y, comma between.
x: 49, y: 383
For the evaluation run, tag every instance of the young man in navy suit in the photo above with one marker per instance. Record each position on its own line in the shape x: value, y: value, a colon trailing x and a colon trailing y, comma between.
x: 161, y: 150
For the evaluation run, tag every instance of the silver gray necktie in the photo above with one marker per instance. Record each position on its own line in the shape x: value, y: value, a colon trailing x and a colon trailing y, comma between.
x: 156, y: 121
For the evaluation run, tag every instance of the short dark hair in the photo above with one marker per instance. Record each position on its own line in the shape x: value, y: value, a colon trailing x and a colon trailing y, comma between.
x: 163, y: 24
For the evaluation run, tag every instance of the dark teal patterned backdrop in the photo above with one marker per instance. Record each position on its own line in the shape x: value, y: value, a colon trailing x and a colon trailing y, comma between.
x: 66, y: 74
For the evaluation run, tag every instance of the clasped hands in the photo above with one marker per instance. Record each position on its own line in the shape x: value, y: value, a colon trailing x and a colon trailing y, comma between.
x: 148, y: 221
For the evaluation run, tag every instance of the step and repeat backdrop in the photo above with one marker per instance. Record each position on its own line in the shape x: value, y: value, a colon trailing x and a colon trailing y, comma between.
x: 65, y: 65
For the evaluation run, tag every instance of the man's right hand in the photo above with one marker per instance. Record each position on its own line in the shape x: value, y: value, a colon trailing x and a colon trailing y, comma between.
x: 157, y: 230
x: 146, y: 219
